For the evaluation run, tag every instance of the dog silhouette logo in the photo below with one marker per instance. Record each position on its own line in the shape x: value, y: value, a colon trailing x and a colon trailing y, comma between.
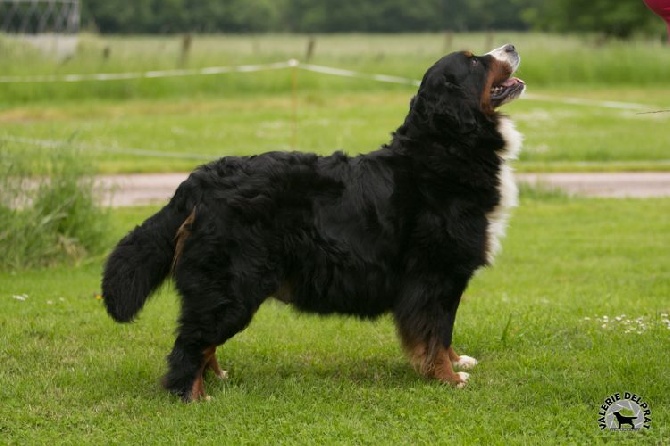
x: 623, y: 420
x: 624, y: 411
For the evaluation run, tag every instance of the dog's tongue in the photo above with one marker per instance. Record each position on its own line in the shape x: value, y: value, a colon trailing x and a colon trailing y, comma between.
x: 512, y: 81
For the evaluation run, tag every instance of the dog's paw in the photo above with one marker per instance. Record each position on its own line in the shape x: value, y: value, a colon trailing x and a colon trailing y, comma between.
x: 221, y: 374
x: 464, y: 379
x: 465, y: 362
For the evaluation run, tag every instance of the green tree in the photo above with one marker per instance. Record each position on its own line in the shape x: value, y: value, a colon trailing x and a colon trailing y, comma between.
x: 620, y: 18
x: 116, y: 16
x: 617, y: 18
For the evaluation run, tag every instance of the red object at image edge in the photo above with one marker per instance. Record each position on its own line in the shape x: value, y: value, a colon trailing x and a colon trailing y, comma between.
x: 662, y: 9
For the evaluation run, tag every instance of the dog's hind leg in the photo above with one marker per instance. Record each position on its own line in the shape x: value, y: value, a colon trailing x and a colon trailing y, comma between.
x: 186, y: 364
x: 213, y: 364
x: 194, y: 350
x: 213, y: 311
x: 209, y: 361
x: 216, y: 304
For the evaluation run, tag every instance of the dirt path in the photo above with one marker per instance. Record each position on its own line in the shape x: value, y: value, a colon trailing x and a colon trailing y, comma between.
x: 143, y: 189
x: 609, y: 185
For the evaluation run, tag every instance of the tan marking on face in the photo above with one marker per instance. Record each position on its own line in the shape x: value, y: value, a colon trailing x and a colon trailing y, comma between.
x: 498, y: 73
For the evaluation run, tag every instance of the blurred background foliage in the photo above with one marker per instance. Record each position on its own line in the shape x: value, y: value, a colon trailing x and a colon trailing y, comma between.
x: 615, y: 18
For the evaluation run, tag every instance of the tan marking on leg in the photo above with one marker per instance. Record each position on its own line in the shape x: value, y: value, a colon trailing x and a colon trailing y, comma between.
x: 444, y: 370
x: 427, y: 358
x: 213, y: 363
x: 453, y: 356
x: 432, y: 360
x: 419, y: 358
x: 198, y: 388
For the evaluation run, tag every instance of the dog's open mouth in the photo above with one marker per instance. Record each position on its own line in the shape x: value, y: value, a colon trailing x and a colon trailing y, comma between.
x: 507, y: 91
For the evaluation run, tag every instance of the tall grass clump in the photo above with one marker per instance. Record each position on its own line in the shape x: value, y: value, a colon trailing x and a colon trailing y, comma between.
x: 48, y: 213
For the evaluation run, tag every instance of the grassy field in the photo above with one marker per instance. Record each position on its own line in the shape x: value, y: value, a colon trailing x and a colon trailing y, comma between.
x: 176, y: 135
x: 587, y: 106
x: 549, y: 60
x: 576, y: 309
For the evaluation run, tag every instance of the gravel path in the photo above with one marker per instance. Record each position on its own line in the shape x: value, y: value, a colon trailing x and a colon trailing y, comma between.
x: 143, y: 189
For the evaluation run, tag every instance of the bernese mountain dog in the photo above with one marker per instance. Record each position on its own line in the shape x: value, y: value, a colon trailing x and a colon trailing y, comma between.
x: 401, y: 229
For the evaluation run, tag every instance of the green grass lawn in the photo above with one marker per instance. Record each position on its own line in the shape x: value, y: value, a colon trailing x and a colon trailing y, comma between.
x: 542, y: 322
x: 143, y: 135
x: 173, y: 124
x: 548, y: 59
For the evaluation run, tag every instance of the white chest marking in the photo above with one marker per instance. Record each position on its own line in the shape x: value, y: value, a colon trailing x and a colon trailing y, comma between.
x: 509, y: 193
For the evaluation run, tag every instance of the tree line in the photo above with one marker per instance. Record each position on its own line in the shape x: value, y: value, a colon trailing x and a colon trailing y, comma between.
x: 620, y: 18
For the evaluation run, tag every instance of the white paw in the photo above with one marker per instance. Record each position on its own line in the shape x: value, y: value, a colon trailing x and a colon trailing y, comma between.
x: 222, y: 374
x: 464, y: 379
x: 466, y: 362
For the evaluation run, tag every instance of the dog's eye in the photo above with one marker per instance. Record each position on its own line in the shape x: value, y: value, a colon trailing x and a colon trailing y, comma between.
x: 474, y: 62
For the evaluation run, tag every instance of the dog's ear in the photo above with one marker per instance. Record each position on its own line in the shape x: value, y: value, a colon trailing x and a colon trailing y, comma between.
x: 444, y: 102
x: 450, y: 83
x: 464, y: 116
x: 456, y: 111
x: 445, y: 108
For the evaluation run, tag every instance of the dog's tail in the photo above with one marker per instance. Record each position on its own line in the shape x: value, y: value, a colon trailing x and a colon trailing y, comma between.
x: 142, y: 260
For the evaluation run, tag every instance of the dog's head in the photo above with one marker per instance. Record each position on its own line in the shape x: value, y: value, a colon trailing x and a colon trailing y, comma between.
x: 462, y: 86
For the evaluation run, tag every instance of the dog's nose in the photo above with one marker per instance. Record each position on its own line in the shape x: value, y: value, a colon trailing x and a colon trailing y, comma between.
x: 509, y: 48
